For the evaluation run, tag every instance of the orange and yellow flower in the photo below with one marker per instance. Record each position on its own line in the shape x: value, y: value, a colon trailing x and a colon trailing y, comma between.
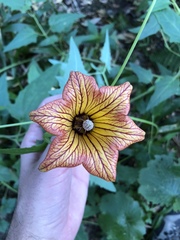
x: 90, y: 125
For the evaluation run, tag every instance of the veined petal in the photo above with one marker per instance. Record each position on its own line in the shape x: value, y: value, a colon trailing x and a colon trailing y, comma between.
x: 80, y: 91
x: 120, y: 131
x: 104, y: 165
x: 111, y: 100
x: 66, y: 151
x: 55, y: 117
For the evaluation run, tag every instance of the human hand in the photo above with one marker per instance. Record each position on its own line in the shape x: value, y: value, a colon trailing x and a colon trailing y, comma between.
x: 50, y: 204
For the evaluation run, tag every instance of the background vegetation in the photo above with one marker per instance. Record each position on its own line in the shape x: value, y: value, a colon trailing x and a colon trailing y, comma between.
x: 41, y: 42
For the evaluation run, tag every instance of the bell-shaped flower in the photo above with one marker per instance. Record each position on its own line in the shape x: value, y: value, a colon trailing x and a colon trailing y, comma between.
x: 90, y: 125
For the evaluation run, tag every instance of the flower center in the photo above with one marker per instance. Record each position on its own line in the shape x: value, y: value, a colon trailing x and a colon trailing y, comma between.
x: 82, y: 124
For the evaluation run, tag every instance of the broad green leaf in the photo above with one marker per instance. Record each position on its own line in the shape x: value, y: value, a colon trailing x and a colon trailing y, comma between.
x: 23, y: 38
x: 169, y: 20
x: 127, y: 174
x: 151, y: 28
x: 112, y: 229
x: 74, y: 64
x: 7, y: 175
x: 19, y: 5
x: 102, y: 183
x: 49, y: 41
x: 4, y: 96
x: 82, y: 234
x: 33, y: 94
x: 7, y: 206
x: 158, y: 182
x: 161, y: 4
x: 3, y: 226
x: 106, y: 53
x: 144, y: 75
x: 34, y: 71
x: 63, y: 22
x: 165, y: 87
x: 126, y: 214
x: 176, y: 205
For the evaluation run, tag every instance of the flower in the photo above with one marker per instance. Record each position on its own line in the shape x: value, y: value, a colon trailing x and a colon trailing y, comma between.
x: 90, y: 125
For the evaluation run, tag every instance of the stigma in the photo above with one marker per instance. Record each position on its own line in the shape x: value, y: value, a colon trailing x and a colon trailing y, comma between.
x: 88, y: 125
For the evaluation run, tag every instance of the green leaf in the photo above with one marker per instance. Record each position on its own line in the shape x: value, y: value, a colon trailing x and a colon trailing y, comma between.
x: 165, y: 87
x: 102, y: 183
x: 23, y: 38
x: 151, y: 28
x: 7, y: 175
x: 4, y: 99
x: 176, y: 205
x: 106, y: 53
x: 127, y: 174
x: 49, y: 41
x: 126, y: 217
x: 82, y: 234
x: 158, y: 182
x: 144, y: 75
x: 19, y: 5
x: 7, y: 206
x: 33, y: 94
x: 74, y: 64
x: 34, y: 71
x: 161, y: 4
x: 170, y: 22
x: 3, y: 226
x: 63, y: 22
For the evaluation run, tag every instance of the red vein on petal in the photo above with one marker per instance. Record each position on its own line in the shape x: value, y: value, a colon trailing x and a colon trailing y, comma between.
x: 67, y: 154
x: 113, y: 100
x: 103, y: 172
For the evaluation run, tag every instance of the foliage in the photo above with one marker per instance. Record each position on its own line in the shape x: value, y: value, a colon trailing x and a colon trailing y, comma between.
x: 41, y: 42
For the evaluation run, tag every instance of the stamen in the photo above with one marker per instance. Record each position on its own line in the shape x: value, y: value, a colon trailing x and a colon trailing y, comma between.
x: 88, y: 125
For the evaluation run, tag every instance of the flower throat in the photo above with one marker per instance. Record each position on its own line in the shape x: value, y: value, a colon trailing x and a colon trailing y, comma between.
x: 82, y: 124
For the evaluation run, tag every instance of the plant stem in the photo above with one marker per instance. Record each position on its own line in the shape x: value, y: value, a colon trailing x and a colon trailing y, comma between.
x: 145, y: 121
x: 151, y: 89
x: 42, y: 30
x: 14, y: 65
x: 8, y: 186
x: 15, y: 124
x: 176, y: 6
x: 134, y: 43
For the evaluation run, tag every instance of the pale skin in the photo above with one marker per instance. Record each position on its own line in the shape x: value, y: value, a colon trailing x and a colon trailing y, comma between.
x: 50, y: 205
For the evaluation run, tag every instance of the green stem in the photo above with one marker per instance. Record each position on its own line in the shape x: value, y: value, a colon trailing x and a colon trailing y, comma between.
x: 151, y: 89
x: 167, y: 45
x: 15, y: 124
x: 92, y: 60
x: 39, y: 25
x: 104, y: 76
x: 20, y: 151
x: 134, y: 43
x: 8, y: 186
x: 42, y: 30
x: 14, y: 65
x: 145, y: 121
x: 176, y: 6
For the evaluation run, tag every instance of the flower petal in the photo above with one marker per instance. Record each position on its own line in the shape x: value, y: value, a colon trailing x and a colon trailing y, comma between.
x: 101, y: 158
x: 80, y: 91
x: 55, y: 117
x: 66, y: 151
x: 112, y: 100
x: 120, y: 131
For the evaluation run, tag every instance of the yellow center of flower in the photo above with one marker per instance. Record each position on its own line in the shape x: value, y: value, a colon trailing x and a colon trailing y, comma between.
x: 82, y: 124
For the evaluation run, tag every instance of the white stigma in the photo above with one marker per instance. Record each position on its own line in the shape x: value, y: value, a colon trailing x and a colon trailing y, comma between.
x: 88, y: 125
